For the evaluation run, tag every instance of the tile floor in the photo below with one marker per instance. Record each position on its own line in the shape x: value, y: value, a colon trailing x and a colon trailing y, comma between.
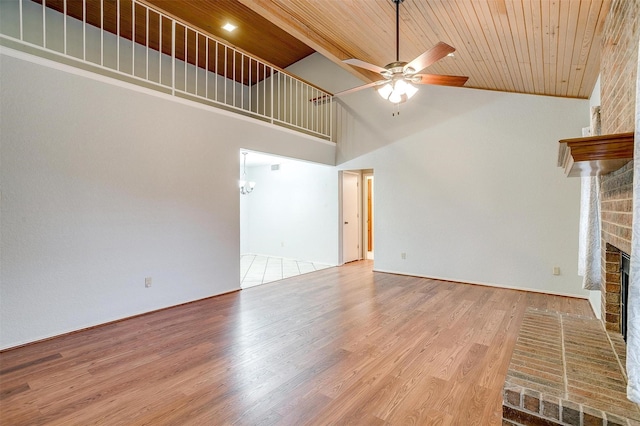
x: 256, y: 270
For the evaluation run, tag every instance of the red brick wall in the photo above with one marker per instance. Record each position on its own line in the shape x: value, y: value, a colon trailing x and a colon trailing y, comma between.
x: 618, y: 71
x: 618, y: 66
x: 616, y: 198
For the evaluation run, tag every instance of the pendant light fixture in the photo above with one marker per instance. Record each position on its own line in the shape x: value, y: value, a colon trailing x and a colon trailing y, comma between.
x: 245, y: 187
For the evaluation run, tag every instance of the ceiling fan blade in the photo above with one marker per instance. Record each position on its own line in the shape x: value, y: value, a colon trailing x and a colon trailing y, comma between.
x: 355, y: 89
x: 442, y: 80
x: 429, y: 57
x: 365, y: 65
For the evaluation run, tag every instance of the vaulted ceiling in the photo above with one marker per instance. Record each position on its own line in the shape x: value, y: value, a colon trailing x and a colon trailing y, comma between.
x: 547, y: 47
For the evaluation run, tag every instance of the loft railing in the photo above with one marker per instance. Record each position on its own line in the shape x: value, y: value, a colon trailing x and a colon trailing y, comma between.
x: 133, y: 41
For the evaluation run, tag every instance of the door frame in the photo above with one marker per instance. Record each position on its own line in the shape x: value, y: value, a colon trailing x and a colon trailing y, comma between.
x: 366, y: 175
x: 358, y: 174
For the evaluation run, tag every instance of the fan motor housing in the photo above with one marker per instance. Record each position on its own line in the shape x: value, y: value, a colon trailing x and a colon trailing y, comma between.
x: 394, y: 68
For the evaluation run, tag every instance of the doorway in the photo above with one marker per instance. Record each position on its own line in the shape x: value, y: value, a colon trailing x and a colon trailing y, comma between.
x: 357, y: 218
x: 288, y: 220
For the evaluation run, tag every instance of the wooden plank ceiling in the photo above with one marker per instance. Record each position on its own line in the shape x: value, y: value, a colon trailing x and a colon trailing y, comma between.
x: 546, y: 47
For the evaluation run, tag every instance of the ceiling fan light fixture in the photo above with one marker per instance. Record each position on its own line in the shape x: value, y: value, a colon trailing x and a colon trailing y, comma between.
x: 385, y: 90
x: 398, y: 91
x: 411, y: 90
x: 395, y: 97
x: 400, y: 86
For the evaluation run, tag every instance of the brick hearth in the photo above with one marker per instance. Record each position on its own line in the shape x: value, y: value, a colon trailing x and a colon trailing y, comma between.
x: 564, y: 371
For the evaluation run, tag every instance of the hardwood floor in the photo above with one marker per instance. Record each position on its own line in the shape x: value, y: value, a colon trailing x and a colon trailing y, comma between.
x: 339, y: 346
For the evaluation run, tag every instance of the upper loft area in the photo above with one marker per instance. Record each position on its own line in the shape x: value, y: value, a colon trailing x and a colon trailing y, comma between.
x: 131, y: 41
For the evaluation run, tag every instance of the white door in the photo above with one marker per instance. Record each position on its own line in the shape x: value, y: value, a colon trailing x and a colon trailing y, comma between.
x: 350, y: 225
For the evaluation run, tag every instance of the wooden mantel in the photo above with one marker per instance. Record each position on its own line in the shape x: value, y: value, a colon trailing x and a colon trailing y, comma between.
x: 595, y: 155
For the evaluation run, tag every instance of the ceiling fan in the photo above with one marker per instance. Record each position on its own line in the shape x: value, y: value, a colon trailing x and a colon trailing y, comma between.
x: 399, y: 77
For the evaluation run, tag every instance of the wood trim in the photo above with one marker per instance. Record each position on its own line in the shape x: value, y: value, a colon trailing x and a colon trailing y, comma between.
x: 595, y: 155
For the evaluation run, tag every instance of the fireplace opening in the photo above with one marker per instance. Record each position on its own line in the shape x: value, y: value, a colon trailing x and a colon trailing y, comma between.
x: 624, y: 292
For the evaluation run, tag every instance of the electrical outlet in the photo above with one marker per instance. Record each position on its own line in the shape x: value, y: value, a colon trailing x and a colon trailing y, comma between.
x: 403, y: 255
x: 147, y: 282
x: 556, y: 270
x: 282, y: 244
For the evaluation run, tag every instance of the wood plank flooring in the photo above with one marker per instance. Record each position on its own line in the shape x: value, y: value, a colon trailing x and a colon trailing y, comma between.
x: 339, y: 346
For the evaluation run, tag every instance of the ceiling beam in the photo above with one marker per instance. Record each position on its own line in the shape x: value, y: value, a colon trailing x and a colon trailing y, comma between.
x: 282, y: 18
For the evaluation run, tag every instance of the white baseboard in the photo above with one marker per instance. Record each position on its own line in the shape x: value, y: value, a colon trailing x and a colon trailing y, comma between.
x: 533, y: 290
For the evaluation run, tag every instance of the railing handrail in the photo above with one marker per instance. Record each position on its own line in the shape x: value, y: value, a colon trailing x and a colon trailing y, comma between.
x: 226, y: 42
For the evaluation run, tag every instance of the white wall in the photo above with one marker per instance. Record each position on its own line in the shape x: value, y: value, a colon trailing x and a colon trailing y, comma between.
x: 293, y: 212
x: 466, y: 181
x: 104, y: 184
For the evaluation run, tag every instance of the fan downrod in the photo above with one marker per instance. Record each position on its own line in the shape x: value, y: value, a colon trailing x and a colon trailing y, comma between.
x: 397, y: 3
